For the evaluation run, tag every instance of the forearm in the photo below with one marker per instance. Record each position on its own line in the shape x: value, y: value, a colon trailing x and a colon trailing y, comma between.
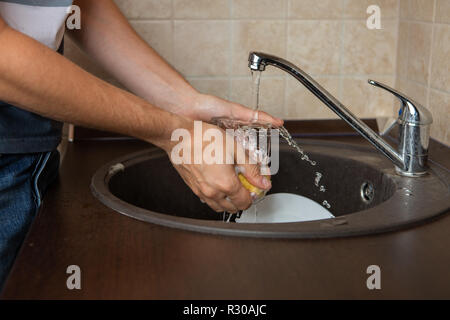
x: 108, y: 38
x: 39, y: 80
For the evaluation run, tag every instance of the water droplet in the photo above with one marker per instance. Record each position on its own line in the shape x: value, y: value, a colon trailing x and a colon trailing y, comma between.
x: 291, y: 142
x: 326, y: 204
x: 317, y: 179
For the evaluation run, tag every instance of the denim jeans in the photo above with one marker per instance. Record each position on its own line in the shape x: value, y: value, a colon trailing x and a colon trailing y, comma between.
x: 23, y: 181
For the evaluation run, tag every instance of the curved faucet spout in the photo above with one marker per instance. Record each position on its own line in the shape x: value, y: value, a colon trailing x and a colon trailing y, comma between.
x: 408, y: 162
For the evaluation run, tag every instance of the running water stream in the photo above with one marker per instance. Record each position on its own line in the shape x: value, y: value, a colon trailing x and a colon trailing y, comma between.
x: 284, y: 133
x: 256, y: 77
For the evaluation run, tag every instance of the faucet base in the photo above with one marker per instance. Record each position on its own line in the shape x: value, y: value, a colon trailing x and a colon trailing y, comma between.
x: 401, y: 172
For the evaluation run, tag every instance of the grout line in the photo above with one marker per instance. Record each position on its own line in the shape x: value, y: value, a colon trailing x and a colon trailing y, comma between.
x: 405, y: 78
x: 284, y: 108
x: 281, y: 76
x: 430, y: 59
x: 254, y: 18
x: 425, y: 22
x: 394, y: 102
x: 141, y: 20
x: 172, y: 25
x: 231, y: 48
x: 341, y: 58
x: 423, y: 85
x: 439, y: 91
x: 408, y: 32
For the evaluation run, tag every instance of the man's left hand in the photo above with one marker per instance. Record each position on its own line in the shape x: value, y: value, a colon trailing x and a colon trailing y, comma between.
x: 207, y: 107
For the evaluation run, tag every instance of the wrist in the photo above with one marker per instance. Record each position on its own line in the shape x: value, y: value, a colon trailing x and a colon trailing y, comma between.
x: 194, y: 105
x: 175, y: 122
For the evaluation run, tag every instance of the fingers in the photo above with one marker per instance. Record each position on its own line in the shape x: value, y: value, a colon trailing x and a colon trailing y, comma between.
x: 221, y: 205
x: 241, y: 198
x: 236, y: 194
x: 265, y: 117
x: 252, y: 173
x: 214, y: 205
x: 227, y: 205
x: 226, y: 194
x: 216, y: 197
x: 246, y: 114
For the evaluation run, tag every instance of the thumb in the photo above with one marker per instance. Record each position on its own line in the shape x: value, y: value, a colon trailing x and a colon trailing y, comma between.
x: 252, y: 173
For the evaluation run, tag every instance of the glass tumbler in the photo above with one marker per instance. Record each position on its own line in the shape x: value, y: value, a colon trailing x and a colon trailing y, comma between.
x: 254, y: 137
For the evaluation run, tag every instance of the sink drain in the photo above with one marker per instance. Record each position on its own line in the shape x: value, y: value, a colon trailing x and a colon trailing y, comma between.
x: 367, y: 192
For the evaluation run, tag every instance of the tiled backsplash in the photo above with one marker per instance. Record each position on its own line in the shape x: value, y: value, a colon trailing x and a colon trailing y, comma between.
x: 423, y: 68
x: 208, y: 41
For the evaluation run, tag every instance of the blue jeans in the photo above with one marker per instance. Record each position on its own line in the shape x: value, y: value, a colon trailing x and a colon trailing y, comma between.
x: 23, y: 181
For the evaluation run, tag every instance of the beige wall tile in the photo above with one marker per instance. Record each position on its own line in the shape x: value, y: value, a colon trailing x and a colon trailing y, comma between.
x: 271, y: 93
x: 158, y: 34
x: 195, y: 9
x: 206, y: 48
x: 420, y: 10
x: 369, y: 51
x: 76, y: 55
x: 202, y: 48
x: 402, y: 49
x: 440, y: 65
x: 302, y: 104
x: 145, y: 9
x: 357, y: 9
x: 272, y: 96
x: 259, y: 8
x: 443, y: 11
x: 404, y: 5
x: 440, y: 108
x: 365, y: 100
x: 257, y: 35
x: 217, y: 87
x: 414, y: 90
x: 315, y: 45
x: 419, y: 47
x: 313, y: 9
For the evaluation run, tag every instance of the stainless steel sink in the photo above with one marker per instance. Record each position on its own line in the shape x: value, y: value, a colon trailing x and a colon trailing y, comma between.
x: 365, y: 193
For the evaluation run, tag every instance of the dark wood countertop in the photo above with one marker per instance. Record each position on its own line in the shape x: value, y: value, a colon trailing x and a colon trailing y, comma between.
x: 122, y: 258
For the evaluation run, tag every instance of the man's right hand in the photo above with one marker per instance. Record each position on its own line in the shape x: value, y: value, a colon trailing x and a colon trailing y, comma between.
x: 218, y: 184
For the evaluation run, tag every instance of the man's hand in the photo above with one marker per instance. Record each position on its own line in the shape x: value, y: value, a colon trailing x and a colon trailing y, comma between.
x: 206, y: 107
x: 218, y: 184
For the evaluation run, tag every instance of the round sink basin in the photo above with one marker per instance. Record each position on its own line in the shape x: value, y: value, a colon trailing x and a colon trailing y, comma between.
x: 364, y: 192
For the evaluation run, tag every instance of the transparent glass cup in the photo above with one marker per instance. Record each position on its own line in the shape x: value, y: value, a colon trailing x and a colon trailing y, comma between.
x: 254, y: 137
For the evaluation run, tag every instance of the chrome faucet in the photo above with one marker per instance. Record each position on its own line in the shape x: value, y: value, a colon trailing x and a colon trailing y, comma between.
x: 414, y: 120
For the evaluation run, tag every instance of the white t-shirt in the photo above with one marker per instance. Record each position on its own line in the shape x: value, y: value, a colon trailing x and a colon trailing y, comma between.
x: 42, y: 20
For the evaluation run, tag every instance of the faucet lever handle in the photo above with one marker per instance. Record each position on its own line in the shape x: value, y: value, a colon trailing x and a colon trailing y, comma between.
x: 410, y: 111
